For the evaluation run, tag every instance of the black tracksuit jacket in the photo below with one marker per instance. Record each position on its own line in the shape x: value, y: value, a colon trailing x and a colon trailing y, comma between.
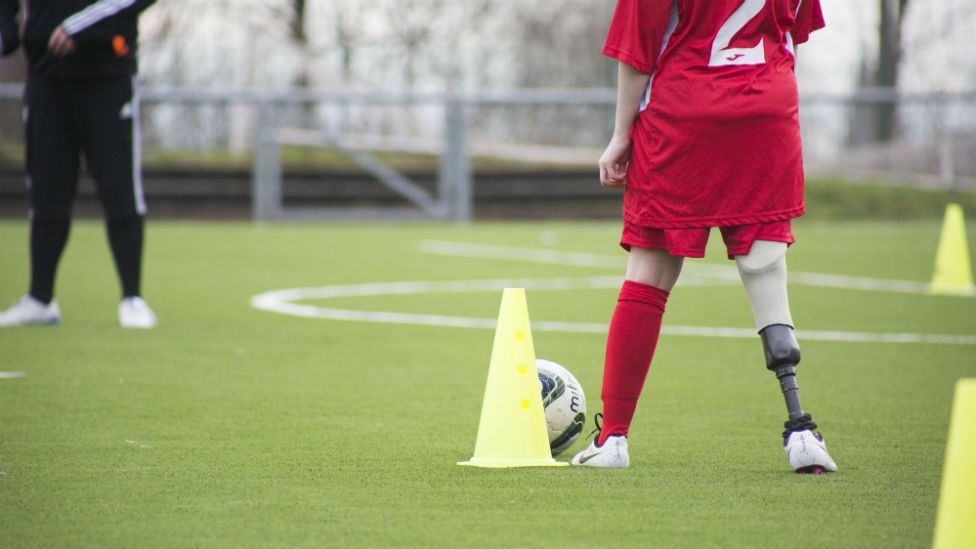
x: 105, y: 31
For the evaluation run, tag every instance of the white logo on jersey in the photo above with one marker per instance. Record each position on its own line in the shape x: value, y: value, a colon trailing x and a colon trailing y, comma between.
x: 722, y: 54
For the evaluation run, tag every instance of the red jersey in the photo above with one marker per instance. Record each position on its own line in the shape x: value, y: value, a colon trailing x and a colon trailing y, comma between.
x: 717, y: 139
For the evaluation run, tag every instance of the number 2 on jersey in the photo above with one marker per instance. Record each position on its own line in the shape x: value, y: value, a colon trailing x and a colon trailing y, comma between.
x: 722, y: 54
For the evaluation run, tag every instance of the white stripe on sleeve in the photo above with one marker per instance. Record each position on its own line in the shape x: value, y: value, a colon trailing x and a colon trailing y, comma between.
x: 672, y: 25
x: 93, y: 14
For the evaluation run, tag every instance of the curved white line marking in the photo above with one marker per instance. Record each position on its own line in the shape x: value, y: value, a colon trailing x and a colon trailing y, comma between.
x: 283, y: 302
x: 513, y: 253
x: 581, y: 259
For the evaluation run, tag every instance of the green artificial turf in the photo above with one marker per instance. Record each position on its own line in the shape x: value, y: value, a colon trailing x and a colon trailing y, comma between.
x: 232, y: 427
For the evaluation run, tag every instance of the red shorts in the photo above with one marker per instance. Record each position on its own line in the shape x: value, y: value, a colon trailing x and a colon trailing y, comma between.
x: 691, y: 242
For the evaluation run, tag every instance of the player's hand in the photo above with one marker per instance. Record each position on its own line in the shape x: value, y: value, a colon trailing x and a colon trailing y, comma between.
x: 61, y: 43
x: 613, y: 163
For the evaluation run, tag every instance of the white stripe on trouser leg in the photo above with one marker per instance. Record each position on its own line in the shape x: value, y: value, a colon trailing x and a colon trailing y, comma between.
x: 137, y: 150
x: 763, y: 274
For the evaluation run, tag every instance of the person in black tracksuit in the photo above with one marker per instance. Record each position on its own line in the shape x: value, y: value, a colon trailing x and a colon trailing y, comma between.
x: 9, y: 37
x: 80, y: 98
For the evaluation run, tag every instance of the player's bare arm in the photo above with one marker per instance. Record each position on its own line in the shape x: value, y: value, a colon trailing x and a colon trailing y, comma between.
x: 631, y: 85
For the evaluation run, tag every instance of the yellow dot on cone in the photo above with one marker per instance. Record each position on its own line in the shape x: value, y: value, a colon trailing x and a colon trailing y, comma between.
x: 519, y: 336
x: 523, y: 368
x: 525, y: 404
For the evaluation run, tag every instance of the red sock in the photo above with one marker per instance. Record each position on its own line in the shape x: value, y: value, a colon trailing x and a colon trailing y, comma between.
x: 634, y: 331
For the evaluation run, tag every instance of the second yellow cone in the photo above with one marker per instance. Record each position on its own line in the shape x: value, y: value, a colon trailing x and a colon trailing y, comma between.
x: 953, y: 271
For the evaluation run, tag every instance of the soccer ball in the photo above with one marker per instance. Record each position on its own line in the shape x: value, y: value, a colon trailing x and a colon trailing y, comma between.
x: 565, y: 405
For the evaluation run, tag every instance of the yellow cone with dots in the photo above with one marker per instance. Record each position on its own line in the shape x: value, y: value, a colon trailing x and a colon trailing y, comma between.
x: 512, y: 431
x: 953, y: 271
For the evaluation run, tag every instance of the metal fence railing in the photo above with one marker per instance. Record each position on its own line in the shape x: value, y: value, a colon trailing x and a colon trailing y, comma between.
x: 933, y: 142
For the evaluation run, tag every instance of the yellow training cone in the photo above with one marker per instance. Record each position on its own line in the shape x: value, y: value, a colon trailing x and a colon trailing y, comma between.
x: 953, y: 272
x: 955, y: 524
x: 512, y: 432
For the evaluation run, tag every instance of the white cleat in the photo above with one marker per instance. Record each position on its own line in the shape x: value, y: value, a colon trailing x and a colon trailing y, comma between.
x: 612, y: 455
x: 28, y: 310
x: 134, y: 312
x: 808, y: 453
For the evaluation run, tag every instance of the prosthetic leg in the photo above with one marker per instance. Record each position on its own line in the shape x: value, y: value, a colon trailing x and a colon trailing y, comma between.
x: 763, y: 273
x: 782, y: 356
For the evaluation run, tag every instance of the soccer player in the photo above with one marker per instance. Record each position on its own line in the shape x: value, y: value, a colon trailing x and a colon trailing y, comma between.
x: 707, y: 135
x: 80, y: 98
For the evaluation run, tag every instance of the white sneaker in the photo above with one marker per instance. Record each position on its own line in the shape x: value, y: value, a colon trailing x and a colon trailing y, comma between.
x: 808, y: 453
x: 134, y: 312
x: 612, y: 455
x: 28, y: 310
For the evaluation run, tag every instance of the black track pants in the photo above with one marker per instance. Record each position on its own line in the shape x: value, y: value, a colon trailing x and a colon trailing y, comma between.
x: 97, y: 117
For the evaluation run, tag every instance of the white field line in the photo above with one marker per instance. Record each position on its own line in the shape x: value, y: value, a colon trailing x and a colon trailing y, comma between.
x: 12, y: 375
x: 513, y: 253
x: 580, y: 259
x: 452, y: 286
x: 139, y: 444
x: 283, y: 302
x: 858, y: 283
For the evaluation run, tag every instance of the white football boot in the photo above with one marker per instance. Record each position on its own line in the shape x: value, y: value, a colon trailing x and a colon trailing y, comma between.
x: 612, y: 455
x: 134, y: 312
x: 808, y: 453
x: 28, y: 310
